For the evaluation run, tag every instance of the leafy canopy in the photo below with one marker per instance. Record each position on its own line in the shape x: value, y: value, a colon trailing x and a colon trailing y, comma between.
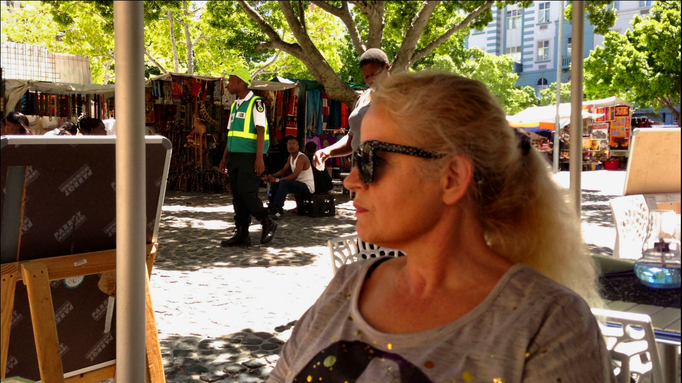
x: 643, y: 66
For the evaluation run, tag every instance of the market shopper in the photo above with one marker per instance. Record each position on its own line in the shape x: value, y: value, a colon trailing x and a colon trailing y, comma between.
x: 68, y: 128
x: 296, y: 177
x: 15, y: 123
x: 495, y: 281
x: 247, y: 140
x: 91, y: 127
x: 375, y: 67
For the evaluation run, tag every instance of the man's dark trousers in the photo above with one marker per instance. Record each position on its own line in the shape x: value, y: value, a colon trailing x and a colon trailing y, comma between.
x: 244, y: 184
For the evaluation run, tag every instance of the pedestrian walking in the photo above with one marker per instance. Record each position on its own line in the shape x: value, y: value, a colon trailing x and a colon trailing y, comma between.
x: 247, y: 140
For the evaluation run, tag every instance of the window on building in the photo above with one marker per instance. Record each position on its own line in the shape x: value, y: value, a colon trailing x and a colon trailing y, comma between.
x: 543, y: 12
x: 568, y: 47
x: 645, y: 3
x: 543, y: 50
x: 542, y: 84
x: 514, y: 19
x: 514, y: 53
x: 615, y: 5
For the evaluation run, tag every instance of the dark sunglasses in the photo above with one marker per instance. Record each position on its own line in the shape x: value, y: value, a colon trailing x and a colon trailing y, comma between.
x: 364, y: 156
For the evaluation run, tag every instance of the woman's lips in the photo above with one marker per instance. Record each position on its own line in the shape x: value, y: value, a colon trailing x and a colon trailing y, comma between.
x: 358, y: 208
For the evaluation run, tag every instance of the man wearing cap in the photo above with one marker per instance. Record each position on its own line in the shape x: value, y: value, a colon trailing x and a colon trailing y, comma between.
x: 247, y: 140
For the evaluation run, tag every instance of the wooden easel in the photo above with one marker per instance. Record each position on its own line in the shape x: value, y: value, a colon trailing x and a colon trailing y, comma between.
x: 36, y: 275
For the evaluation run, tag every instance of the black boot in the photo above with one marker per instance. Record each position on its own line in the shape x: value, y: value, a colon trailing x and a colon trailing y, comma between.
x: 240, y: 238
x: 276, y: 213
x: 269, y: 227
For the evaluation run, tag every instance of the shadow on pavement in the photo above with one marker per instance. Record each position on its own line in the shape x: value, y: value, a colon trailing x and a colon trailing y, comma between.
x: 596, y: 208
x: 245, y: 356
x: 193, y: 225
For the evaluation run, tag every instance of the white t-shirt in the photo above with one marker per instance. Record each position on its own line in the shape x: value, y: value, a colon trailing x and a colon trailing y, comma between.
x: 528, y: 329
x: 305, y: 176
x: 258, y: 117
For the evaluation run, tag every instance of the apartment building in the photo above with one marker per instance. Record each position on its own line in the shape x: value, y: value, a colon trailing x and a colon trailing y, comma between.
x: 530, y: 37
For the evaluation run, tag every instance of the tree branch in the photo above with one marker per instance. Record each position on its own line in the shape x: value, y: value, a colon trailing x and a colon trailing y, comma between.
x: 149, y: 56
x: 301, y: 15
x: 444, y: 37
x: 201, y: 37
x: 344, y: 14
x: 107, y: 56
x: 276, y: 71
x: 403, y: 59
x: 272, y: 61
x: 374, y: 11
x: 275, y: 41
x: 176, y: 62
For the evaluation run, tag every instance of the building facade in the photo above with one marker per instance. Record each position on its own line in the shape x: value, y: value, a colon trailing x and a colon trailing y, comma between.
x: 530, y: 36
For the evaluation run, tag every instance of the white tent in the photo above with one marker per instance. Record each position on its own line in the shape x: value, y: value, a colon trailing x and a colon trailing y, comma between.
x: 534, y: 115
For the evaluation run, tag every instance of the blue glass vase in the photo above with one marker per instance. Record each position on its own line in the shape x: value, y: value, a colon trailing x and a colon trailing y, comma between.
x: 659, y: 266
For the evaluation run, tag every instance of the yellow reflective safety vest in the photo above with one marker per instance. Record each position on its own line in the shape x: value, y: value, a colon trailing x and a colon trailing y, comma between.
x: 242, y: 135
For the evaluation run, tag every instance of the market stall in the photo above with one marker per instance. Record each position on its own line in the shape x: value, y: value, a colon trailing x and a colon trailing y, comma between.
x: 48, y: 104
x: 606, y: 130
x: 192, y: 111
x: 609, y: 137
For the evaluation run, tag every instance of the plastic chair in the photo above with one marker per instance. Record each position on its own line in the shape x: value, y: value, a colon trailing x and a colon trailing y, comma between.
x: 631, y: 341
x: 350, y: 248
x: 631, y: 214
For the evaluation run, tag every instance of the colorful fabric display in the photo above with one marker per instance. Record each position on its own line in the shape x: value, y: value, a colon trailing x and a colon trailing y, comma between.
x: 314, y: 111
x: 334, y: 114
x: 345, y: 112
x: 176, y: 87
x: 325, y: 113
x: 292, y: 123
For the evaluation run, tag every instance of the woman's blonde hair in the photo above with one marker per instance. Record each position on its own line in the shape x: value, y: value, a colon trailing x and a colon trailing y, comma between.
x: 524, y: 214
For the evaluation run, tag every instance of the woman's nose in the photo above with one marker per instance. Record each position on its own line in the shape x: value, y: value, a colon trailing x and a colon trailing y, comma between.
x: 353, y: 181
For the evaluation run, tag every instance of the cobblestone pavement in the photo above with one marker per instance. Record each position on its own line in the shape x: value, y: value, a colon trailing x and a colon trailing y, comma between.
x: 224, y: 314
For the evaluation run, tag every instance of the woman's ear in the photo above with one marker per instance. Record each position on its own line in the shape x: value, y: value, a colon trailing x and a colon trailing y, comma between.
x: 456, y: 179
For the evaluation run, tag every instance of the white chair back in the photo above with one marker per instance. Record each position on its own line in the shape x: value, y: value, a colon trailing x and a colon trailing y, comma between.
x: 350, y: 248
x: 631, y: 214
x: 631, y: 341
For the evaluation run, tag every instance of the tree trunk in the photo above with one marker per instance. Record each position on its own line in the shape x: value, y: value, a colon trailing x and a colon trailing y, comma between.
x: 306, y: 51
x: 107, y: 70
x: 176, y: 63
x: 189, y: 45
x: 667, y: 102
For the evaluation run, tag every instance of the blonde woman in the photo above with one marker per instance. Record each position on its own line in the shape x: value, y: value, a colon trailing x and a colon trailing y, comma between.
x: 495, y: 284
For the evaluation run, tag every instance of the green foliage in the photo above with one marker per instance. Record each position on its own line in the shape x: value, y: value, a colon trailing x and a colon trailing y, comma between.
x: 643, y: 66
x: 548, y: 95
x: 84, y: 35
x: 598, y: 14
x: 496, y: 72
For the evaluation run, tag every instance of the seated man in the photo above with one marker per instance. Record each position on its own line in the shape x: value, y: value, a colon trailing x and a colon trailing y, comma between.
x: 323, y: 179
x: 299, y: 181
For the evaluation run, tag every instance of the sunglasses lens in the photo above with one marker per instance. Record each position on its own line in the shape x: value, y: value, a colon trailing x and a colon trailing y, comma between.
x: 366, y: 163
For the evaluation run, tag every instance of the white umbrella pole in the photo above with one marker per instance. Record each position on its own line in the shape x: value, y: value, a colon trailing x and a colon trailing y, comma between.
x: 559, y: 63
x: 130, y: 191
x: 577, y: 50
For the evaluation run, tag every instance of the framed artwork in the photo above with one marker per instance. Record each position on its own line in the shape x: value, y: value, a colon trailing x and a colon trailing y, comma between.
x: 622, y: 111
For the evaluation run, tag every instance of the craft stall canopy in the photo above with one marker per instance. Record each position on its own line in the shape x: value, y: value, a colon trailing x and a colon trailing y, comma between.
x: 53, y: 102
x: 16, y: 89
x: 531, y: 118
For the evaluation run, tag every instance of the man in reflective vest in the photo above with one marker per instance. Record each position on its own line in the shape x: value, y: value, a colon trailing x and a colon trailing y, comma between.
x: 247, y: 140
